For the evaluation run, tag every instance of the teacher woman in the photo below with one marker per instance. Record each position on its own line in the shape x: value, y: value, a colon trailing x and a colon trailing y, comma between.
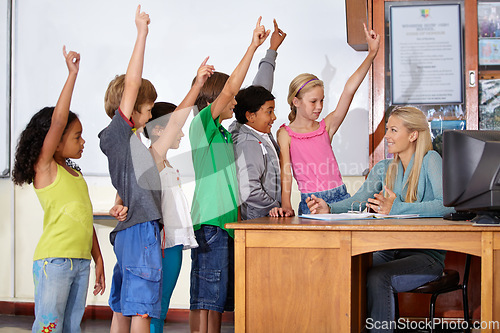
x: 410, y: 183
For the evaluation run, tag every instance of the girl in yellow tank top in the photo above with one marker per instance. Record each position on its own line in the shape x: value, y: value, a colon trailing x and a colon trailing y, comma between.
x: 61, y: 263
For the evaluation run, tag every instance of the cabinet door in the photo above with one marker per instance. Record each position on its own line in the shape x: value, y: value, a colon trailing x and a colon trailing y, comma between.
x: 464, y: 113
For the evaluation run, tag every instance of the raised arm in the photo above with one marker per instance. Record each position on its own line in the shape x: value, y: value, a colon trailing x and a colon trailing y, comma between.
x: 265, y: 73
x: 286, y: 172
x: 335, y: 118
x: 59, y: 117
x: 235, y: 81
x: 133, y: 77
x: 180, y: 114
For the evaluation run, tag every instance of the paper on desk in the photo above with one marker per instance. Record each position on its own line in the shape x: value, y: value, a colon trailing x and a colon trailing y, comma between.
x: 356, y: 216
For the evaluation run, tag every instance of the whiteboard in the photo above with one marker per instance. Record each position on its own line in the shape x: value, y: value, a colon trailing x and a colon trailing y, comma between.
x: 181, y: 34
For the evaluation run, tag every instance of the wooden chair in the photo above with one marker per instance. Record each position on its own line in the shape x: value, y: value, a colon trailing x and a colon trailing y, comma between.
x: 448, y: 282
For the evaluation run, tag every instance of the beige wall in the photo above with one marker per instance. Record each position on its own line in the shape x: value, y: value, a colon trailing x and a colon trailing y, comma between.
x: 5, y: 237
x: 28, y: 217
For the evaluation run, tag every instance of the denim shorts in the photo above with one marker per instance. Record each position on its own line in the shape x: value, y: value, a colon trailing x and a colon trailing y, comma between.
x: 338, y: 193
x: 136, y: 283
x: 60, y: 293
x: 212, y: 270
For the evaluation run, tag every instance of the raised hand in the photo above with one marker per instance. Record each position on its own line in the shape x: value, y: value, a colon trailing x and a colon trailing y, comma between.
x: 259, y: 34
x: 277, y: 37
x: 72, y: 60
x: 204, y: 72
x: 381, y: 203
x: 373, y: 40
x: 141, y: 20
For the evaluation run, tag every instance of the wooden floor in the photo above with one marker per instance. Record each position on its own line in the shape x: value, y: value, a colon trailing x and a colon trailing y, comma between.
x: 22, y: 324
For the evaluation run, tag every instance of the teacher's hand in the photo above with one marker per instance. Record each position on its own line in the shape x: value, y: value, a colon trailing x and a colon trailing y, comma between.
x: 382, y: 204
x: 317, y: 205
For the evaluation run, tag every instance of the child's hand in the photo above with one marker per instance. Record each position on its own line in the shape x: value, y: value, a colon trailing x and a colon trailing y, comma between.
x: 100, y: 281
x: 259, y: 34
x: 373, y: 40
x: 317, y: 205
x: 287, y: 211
x: 204, y: 72
x: 277, y: 37
x: 280, y: 211
x: 72, y: 60
x: 141, y: 20
x: 276, y: 212
x: 119, y: 212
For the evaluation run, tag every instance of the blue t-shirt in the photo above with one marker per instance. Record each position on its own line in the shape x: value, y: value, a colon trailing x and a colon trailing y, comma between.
x: 429, y: 200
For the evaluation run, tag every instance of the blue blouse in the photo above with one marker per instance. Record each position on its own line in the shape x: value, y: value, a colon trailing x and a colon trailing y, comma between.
x: 429, y: 201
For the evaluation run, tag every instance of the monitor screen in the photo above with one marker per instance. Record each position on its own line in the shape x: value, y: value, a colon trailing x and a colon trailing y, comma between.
x: 471, y: 173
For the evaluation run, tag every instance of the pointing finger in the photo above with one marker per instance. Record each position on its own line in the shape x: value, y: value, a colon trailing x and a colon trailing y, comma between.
x: 258, y: 21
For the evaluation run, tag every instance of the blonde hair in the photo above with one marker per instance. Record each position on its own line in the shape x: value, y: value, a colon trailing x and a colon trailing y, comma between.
x: 414, y: 120
x: 113, y: 96
x: 298, y: 87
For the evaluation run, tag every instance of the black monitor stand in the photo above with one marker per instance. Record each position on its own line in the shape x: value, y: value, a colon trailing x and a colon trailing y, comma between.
x: 460, y: 216
x: 487, y: 218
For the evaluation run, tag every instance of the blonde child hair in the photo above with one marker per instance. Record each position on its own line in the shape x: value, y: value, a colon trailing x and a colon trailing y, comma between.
x: 414, y: 120
x: 300, y: 85
x: 114, y: 92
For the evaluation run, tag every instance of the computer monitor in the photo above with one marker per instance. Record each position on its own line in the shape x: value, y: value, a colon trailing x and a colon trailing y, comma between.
x: 471, y: 173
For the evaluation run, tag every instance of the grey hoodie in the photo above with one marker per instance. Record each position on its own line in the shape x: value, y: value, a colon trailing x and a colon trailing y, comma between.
x: 257, y: 170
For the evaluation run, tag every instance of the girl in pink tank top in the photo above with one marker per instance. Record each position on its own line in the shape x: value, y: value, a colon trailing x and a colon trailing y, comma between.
x: 305, y: 143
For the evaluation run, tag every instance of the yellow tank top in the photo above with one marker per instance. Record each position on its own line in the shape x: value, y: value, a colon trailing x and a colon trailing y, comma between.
x: 68, y: 218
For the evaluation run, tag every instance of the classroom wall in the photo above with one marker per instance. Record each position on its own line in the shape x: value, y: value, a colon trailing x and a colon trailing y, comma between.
x: 181, y: 35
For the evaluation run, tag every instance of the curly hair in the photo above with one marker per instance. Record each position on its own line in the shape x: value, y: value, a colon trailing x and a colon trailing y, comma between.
x: 250, y: 99
x: 30, y: 144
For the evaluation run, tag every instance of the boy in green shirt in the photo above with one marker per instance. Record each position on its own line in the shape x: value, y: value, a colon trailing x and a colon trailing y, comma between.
x: 215, y: 201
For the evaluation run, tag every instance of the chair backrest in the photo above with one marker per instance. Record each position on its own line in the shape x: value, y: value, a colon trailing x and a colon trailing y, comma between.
x: 465, y: 278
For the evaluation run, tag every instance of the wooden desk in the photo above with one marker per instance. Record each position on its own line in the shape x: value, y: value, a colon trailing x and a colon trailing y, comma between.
x: 310, y: 275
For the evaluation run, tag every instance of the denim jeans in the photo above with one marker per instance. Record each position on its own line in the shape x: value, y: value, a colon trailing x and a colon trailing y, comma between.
x: 212, y: 270
x: 330, y: 196
x: 60, y: 293
x: 136, y: 282
x: 171, y: 263
x: 395, y: 271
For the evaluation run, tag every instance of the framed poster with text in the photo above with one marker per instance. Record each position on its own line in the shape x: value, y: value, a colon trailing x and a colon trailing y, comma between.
x: 426, y: 54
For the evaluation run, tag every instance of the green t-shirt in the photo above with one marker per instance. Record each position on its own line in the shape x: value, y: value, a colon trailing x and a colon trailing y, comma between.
x: 215, y: 200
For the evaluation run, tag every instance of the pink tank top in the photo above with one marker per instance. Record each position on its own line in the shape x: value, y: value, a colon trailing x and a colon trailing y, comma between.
x: 313, y: 162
